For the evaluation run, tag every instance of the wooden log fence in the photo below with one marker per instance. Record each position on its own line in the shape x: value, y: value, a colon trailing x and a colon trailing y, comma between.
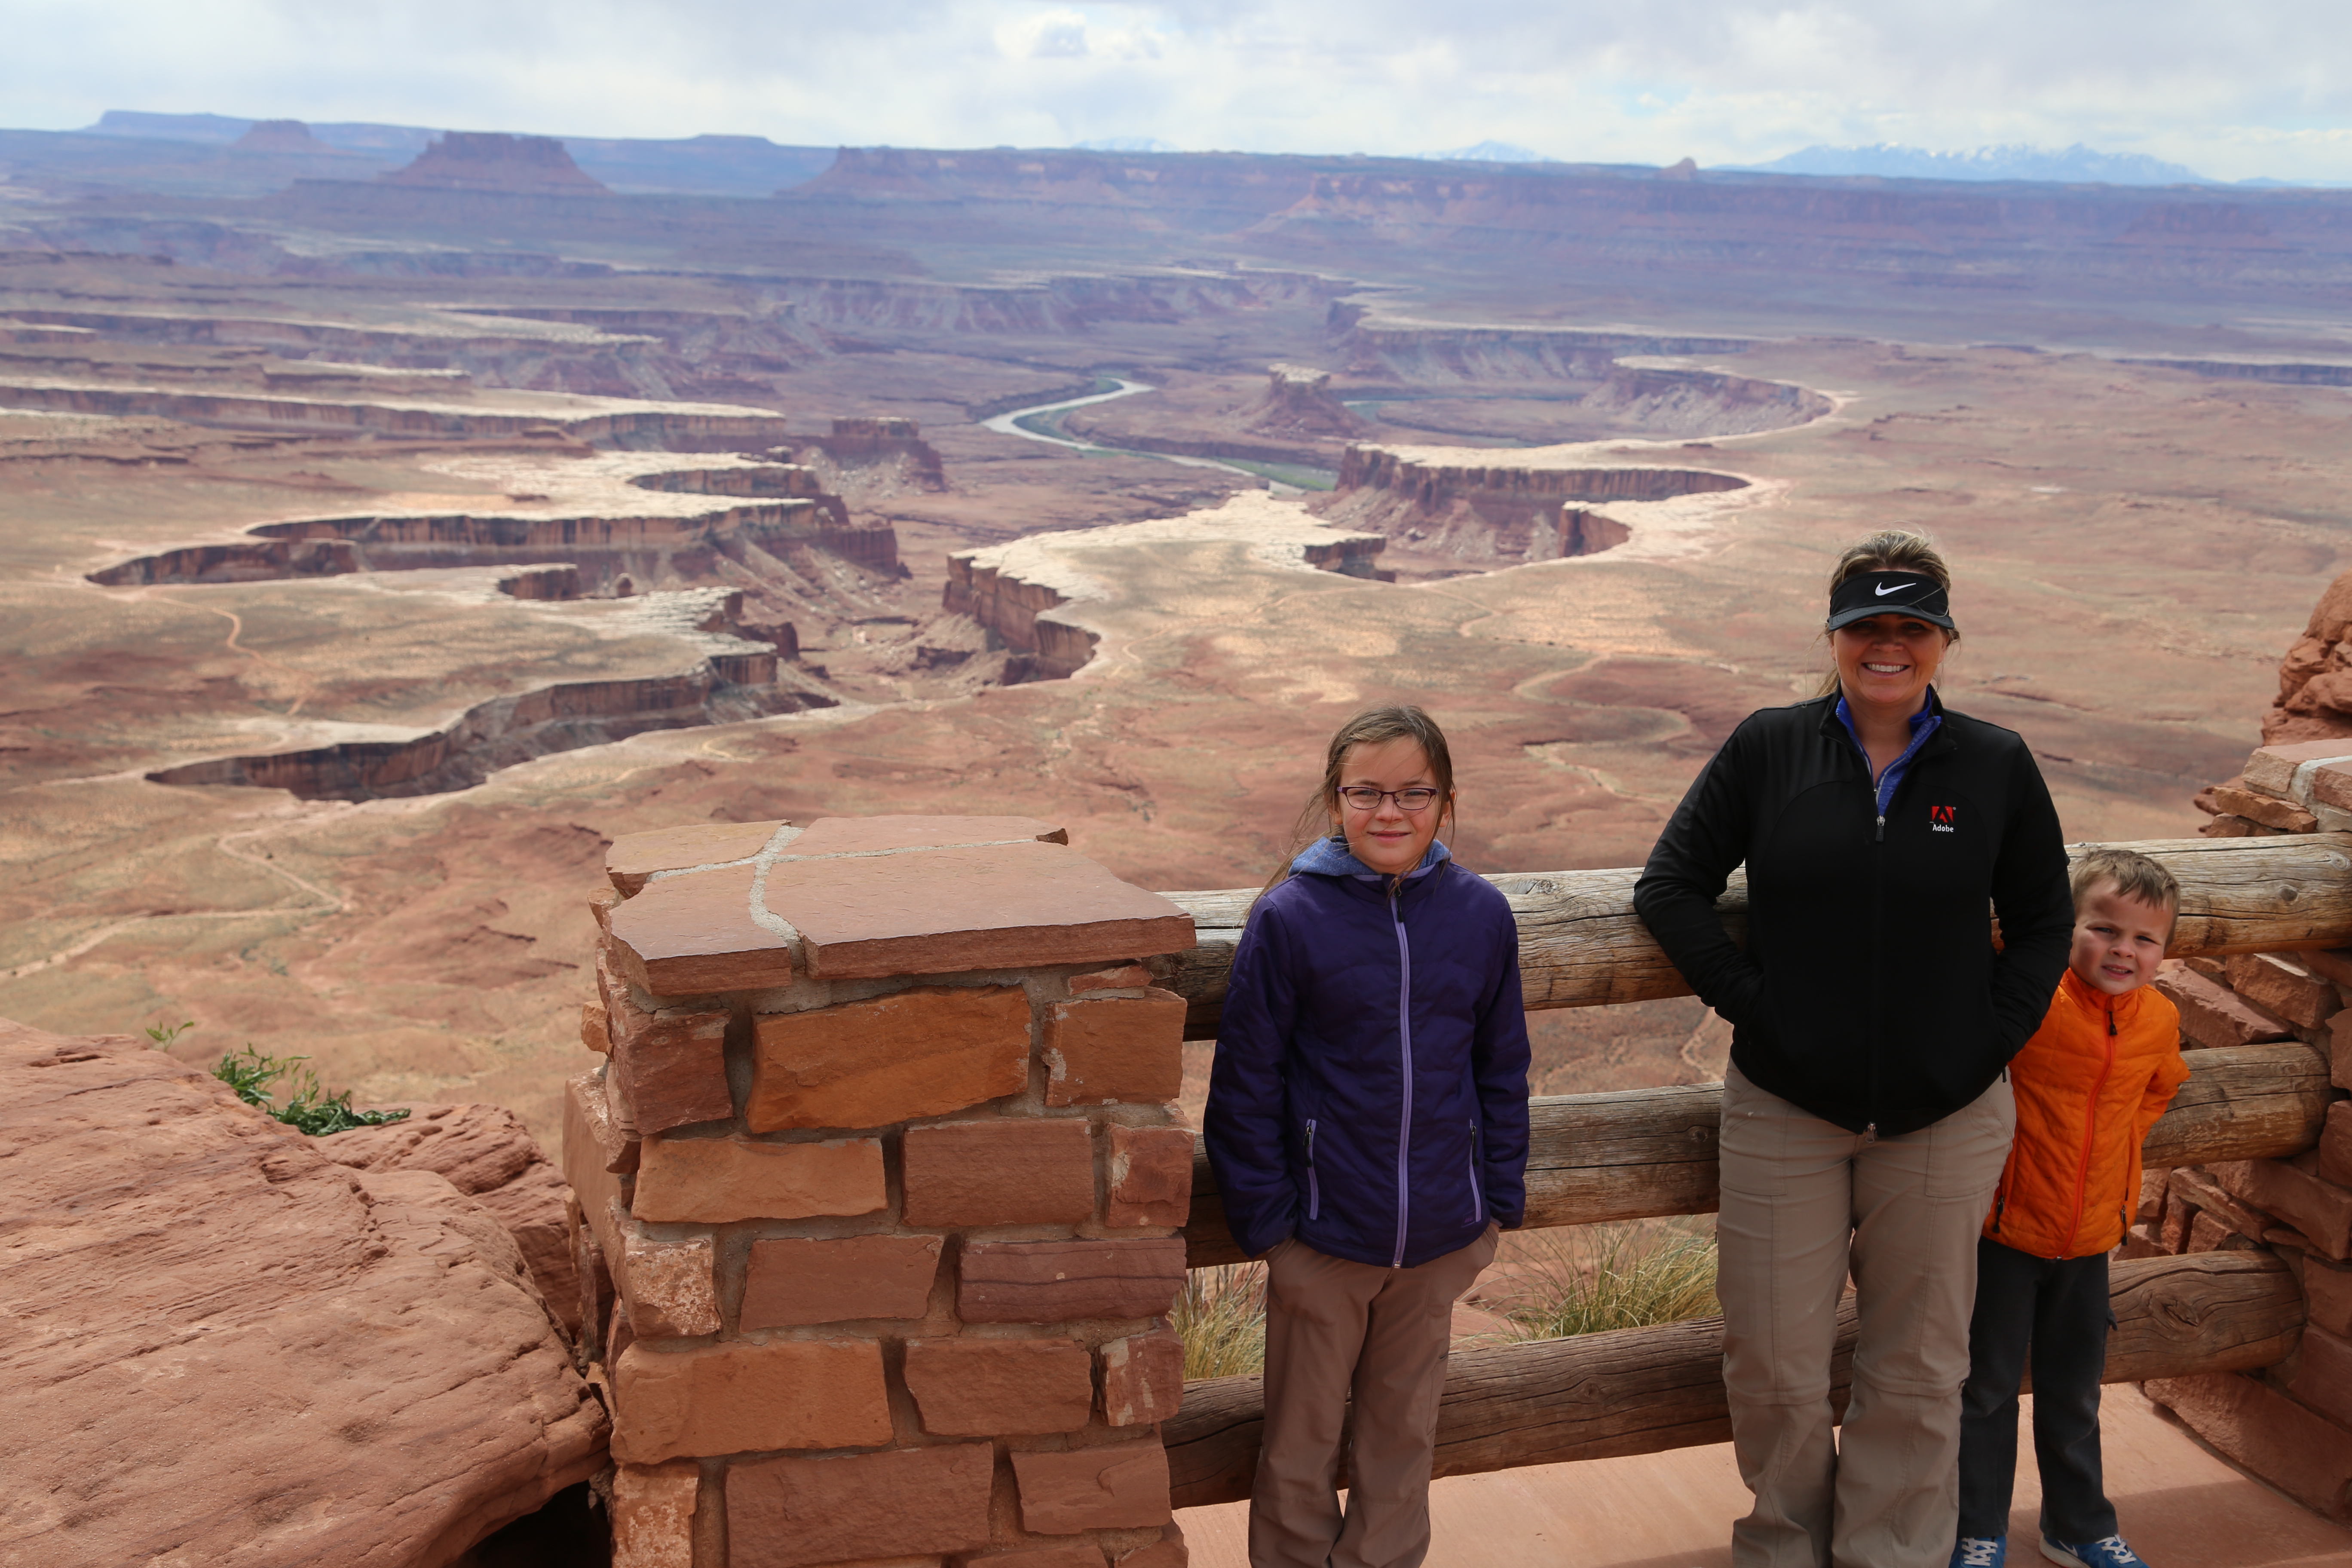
x: 1580, y: 945
x: 1649, y: 1152
x: 1639, y: 1391
x: 1639, y: 1153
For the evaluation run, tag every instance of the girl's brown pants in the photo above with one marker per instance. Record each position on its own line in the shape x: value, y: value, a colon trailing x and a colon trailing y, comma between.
x: 1333, y: 1329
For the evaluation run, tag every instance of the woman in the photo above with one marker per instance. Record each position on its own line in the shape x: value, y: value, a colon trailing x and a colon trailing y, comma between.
x: 1867, y: 1112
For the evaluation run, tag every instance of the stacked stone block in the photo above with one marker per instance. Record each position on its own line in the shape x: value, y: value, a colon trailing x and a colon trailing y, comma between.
x: 2292, y: 1422
x: 877, y: 1195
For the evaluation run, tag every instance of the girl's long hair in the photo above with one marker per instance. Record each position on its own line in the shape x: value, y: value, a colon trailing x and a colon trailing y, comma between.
x: 1373, y: 727
x: 1889, y: 550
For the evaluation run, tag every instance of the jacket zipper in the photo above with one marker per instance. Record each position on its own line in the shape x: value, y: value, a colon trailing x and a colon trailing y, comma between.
x: 1477, y: 1192
x: 1314, y: 1191
x: 2091, y: 1132
x: 1405, y: 1048
x: 1877, y: 936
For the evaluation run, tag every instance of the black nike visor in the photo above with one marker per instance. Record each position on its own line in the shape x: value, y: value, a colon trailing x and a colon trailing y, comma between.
x: 1890, y: 592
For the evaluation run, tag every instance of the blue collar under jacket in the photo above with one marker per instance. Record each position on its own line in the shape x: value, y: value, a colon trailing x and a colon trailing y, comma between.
x: 1369, y: 1094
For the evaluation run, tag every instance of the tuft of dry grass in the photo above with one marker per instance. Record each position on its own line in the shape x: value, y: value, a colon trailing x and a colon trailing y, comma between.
x: 1588, y: 1279
x: 1220, y: 1313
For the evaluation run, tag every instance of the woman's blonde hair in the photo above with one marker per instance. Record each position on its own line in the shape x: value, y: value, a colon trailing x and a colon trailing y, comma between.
x: 1889, y: 550
x: 1373, y: 727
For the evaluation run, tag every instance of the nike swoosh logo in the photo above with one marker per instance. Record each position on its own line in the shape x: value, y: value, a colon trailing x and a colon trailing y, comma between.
x: 1898, y: 588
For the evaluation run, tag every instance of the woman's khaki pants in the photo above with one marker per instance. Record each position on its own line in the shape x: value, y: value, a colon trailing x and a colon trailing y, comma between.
x: 1804, y: 1202
x: 1336, y: 1330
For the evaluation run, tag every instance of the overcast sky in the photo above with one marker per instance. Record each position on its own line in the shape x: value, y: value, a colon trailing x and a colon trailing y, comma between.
x: 2255, y: 87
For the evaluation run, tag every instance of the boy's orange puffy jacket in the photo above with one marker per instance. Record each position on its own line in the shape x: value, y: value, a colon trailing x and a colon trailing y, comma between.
x: 2090, y: 1083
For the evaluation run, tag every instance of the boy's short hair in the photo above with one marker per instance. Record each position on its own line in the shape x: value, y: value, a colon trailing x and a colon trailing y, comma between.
x: 2135, y: 877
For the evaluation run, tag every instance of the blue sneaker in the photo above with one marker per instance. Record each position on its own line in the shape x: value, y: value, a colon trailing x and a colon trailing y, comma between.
x: 2110, y: 1552
x: 1981, y: 1552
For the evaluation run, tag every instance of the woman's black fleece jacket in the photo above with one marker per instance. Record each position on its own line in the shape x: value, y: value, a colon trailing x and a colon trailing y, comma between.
x: 1870, y: 993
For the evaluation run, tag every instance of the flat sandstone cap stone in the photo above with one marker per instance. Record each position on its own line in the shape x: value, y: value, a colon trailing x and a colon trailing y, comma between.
x: 866, y: 834
x: 634, y: 858
x: 986, y: 905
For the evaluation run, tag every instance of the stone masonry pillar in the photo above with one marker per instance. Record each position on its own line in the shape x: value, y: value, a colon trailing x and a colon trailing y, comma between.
x: 882, y: 1168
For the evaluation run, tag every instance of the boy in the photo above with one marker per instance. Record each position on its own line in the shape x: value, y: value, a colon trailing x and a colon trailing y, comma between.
x: 2089, y: 1084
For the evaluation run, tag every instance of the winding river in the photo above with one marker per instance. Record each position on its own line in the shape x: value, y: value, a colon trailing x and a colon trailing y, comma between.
x: 1041, y: 422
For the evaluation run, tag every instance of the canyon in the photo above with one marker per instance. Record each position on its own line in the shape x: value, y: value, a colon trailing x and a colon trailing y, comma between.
x: 376, y: 552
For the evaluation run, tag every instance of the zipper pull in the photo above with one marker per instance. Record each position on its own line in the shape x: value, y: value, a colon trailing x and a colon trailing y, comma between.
x: 1870, y: 1133
x: 1882, y: 828
x: 2111, y: 1021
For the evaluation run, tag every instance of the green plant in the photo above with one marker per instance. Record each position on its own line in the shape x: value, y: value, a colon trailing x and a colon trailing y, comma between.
x: 1220, y: 1313
x: 1593, y: 1279
x: 163, y: 1035
x: 309, y: 1108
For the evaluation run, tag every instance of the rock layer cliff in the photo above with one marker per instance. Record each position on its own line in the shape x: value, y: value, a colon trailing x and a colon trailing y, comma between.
x: 225, y: 1347
x: 1518, y: 507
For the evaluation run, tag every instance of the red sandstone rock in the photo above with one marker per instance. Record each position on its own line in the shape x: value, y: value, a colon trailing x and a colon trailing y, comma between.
x: 1168, y: 1551
x: 1115, y: 1049
x: 2278, y: 983
x: 1150, y: 1177
x: 2335, y: 1144
x: 2208, y: 1234
x: 1126, y: 977
x: 672, y: 1064
x: 587, y: 1110
x: 2303, y: 1454
x: 2211, y: 1015
x: 692, y: 933
x: 1122, y: 1487
x: 225, y: 1347
x: 486, y: 1154
x: 2322, y: 1374
x: 1059, y: 1282
x: 1076, y: 1554
x: 864, y: 835
x: 933, y: 911
x: 2202, y: 1193
x: 2319, y: 1209
x: 734, y: 1398
x: 2327, y: 1292
x: 1142, y: 1378
x: 634, y: 858
x: 594, y: 1028
x: 923, y: 1052
x: 791, y: 1513
x: 2141, y: 1242
x: 653, y: 1514
x: 1008, y: 1171
x: 2310, y: 705
x: 2340, y: 1050
x: 2272, y: 769
x: 1000, y: 1388
x: 795, y: 1280
x: 596, y: 1291
x: 2283, y: 815
x: 714, y: 1180
x: 671, y: 1289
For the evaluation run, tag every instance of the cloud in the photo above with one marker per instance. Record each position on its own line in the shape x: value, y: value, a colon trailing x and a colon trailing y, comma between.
x: 2259, y: 88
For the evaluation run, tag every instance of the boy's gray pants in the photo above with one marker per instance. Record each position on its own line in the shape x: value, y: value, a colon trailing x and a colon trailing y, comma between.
x: 1334, y: 1329
x: 1804, y: 1202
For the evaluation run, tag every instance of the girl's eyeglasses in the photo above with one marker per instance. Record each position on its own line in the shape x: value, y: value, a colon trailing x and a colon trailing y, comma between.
x: 1363, y: 797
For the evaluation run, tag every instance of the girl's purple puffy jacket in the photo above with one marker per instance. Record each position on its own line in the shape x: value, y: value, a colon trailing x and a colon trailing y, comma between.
x: 1370, y: 1088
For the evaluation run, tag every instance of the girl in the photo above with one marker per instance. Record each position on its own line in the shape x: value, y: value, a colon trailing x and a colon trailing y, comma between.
x: 1368, y: 1124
